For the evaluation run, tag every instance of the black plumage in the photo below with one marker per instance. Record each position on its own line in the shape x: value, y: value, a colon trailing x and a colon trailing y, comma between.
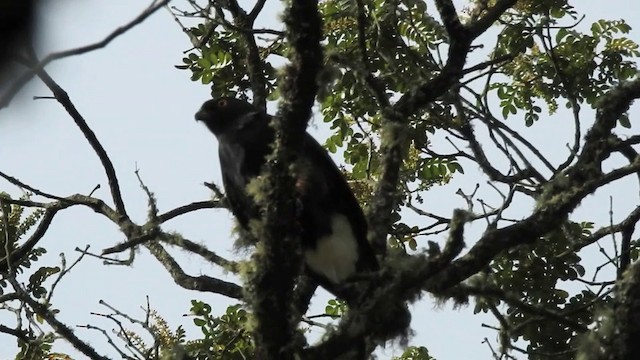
x: 333, y: 226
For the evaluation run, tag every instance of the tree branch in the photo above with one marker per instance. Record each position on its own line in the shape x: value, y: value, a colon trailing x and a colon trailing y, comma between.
x: 198, y: 283
x: 24, y: 78
x: 279, y: 261
x: 179, y: 240
x: 63, y: 98
x: 57, y: 326
x: 254, y: 62
x: 622, y: 334
x: 184, y: 209
x: 393, y: 144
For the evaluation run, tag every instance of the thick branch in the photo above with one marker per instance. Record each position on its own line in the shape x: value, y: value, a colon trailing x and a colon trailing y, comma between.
x: 179, y: 240
x: 622, y: 341
x: 609, y: 109
x: 181, y: 210
x: 254, y: 62
x: 18, y: 333
x: 450, y: 19
x: 279, y: 262
x: 491, y: 16
x: 393, y: 142
x: 257, y: 8
x: 63, y: 98
x: 560, y: 196
x: 198, y: 283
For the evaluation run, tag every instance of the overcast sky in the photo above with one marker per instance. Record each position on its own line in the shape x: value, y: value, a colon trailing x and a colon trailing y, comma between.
x: 141, y: 109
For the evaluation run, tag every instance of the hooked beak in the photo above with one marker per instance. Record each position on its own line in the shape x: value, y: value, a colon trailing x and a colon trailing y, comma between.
x: 201, y: 115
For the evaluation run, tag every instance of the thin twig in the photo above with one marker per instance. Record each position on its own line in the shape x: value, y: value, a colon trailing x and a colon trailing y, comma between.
x: 6, y: 98
x: 58, y: 326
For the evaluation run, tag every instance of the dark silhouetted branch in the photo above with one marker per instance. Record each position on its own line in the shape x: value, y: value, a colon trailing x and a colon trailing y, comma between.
x: 6, y: 98
x: 184, y: 209
x: 180, y: 241
x: 63, y: 98
x: 199, y: 283
x: 279, y: 261
x: 60, y: 328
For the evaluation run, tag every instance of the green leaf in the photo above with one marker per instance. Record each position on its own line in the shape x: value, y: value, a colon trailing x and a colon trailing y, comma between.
x: 505, y: 111
x: 207, y: 76
x: 413, y: 244
x: 561, y: 34
x: 204, y: 63
x: 624, y: 121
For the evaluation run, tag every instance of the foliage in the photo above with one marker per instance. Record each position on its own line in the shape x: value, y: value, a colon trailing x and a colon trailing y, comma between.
x: 223, y: 337
x: 222, y: 61
x: 14, y: 225
x: 412, y: 102
x: 12, y: 229
x: 415, y: 353
x: 550, y: 61
x: 564, y: 63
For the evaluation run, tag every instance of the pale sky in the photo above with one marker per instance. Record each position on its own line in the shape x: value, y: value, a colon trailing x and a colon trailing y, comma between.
x: 141, y: 108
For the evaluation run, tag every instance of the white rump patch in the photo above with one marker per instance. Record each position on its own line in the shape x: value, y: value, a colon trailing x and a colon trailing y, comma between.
x: 335, y: 255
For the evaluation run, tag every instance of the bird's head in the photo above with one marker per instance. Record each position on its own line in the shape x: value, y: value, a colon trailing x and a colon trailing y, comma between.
x: 222, y: 113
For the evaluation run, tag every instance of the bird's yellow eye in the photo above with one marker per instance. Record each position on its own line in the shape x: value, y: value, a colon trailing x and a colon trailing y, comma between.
x: 222, y: 103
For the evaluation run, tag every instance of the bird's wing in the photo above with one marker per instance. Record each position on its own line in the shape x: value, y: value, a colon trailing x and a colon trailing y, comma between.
x: 242, y: 153
x: 232, y: 157
x: 335, y: 188
x: 335, y: 196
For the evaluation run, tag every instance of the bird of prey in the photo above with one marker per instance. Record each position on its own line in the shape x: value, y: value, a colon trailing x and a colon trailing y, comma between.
x: 333, y: 227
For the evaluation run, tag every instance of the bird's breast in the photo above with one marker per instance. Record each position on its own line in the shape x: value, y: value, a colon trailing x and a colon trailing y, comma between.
x: 334, y: 255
